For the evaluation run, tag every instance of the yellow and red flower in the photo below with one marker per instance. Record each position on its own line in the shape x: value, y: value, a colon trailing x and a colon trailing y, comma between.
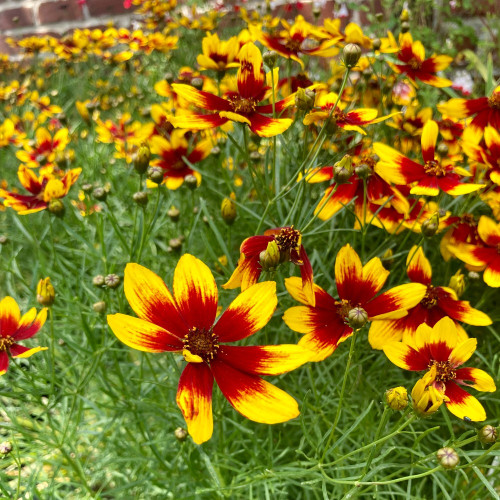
x: 486, y: 109
x: 14, y: 328
x: 484, y: 256
x: 487, y: 154
x: 415, y: 65
x: 172, y: 152
x: 267, y: 251
x: 434, y: 175
x: 186, y: 322
x: 44, y: 190
x: 242, y: 106
x: 326, y: 324
x: 218, y: 55
x: 437, y: 303
x: 440, y: 351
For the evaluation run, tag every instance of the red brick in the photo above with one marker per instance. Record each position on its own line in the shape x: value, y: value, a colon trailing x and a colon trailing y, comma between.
x: 16, y: 18
x: 55, y: 12
x: 106, y: 7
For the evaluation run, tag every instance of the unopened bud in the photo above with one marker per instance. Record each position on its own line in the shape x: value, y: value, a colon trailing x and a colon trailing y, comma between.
x: 487, y: 434
x: 304, y: 99
x: 473, y: 275
x: 87, y: 187
x: 342, y: 170
x: 174, y: 213
x: 141, y: 198
x: 100, y: 307
x: 169, y: 77
x: 191, y: 182
x: 56, y: 207
x: 100, y: 194
x: 98, y: 280
x: 457, y: 283
x: 255, y: 156
x: 430, y: 226
x: 45, y: 293
x: 357, y: 318
x: 3, y: 239
x: 180, y: 434
x: 448, y: 457
x: 270, y: 258
x: 405, y: 15
x: 228, y: 210
x: 397, y: 398
x: 155, y: 174
x: 442, y: 149
x: 269, y: 57
x: 405, y: 27
x: 197, y: 83
x: 376, y: 43
x: 112, y: 280
x: 351, y: 54
x: 142, y: 158
x: 363, y: 171
x: 175, y: 244
x: 5, y: 448
x: 316, y: 12
x: 379, y: 16
x: 215, y: 150
x: 388, y: 258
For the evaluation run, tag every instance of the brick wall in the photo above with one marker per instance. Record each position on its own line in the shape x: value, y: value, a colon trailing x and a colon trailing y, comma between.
x: 21, y: 18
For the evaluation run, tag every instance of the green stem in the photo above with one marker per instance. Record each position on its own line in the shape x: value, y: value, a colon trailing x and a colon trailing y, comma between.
x: 375, y: 449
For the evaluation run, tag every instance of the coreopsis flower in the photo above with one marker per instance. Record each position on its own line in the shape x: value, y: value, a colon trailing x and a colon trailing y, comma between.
x: 45, y: 190
x: 172, y: 152
x: 411, y: 122
x: 352, y: 33
x: 46, y: 147
x: 487, y: 154
x: 435, y: 175
x: 463, y: 229
x: 485, y: 109
x: 185, y: 322
x: 329, y: 321
x: 339, y: 194
x: 438, y: 302
x: 218, y: 55
x: 265, y: 252
x: 440, y: 351
x: 299, y: 38
x: 416, y: 66
x: 241, y: 106
x: 43, y: 105
x: 10, y: 134
x: 14, y: 328
x: 352, y: 120
x: 123, y: 132
x: 484, y: 255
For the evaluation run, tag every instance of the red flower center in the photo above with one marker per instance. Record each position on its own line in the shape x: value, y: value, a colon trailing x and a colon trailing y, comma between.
x: 434, y: 168
x: 287, y: 239
x: 444, y: 370
x: 243, y: 105
x: 494, y: 100
x: 6, y: 342
x: 202, y: 343
x: 414, y: 64
x: 343, y: 309
x: 430, y: 299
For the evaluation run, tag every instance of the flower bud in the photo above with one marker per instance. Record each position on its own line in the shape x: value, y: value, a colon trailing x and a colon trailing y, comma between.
x: 5, y: 448
x: 215, y: 151
x: 316, y: 11
x: 387, y: 258
x: 175, y: 244
x: 87, y: 187
x: 405, y: 16
x: 197, y: 83
x: 487, y: 434
x: 405, y: 27
x: 155, y: 174
x: 270, y: 258
x: 98, y: 280
x: 473, y: 275
x: 255, y: 156
x: 45, y: 293
x: 442, y: 149
x: 357, y: 318
x: 3, y: 239
x: 228, y: 210
x: 363, y: 171
x: 397, y: 398
x: 180, y: 434
x: 169, y: 77
x: 351, y: 54
x: 379, y: 16
x: 447, y: 457
x: 112, y: 280
x: 100, y: 194
x: 457, y: 283
x: 430, y: 226
x: 304, y: 99
x: 56, y: 207
x: 191, y: 182
x: 269, y: 57
x: 141, y: 198
x: 342, y: 170
x: 174, y: 214
x: 376, y: 43
x: 100, y: 307
x: 142, y: 158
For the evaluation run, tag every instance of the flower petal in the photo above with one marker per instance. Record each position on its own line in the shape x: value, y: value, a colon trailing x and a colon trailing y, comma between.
x: 418, y: 267
x: 151, y: 300
x: 10, y: 315
x: 195, y: 292
x: 429, y: 137
x: 405, y: 357
x: 28, y: 326
x: 264, y: 360
x: 4, y: 362
x: 462, y: 404
x: 202, y: 100
x: 348, y: 273
x: 248, y: 312
x: 481, y: 380
x: 462, y: 352
x: 268, y: 127
x: 253, y: 397
x: 142, y: 335
x: 388, y: 305
x: 19, y: 351
x: 250, y: 77
x: 382, y: 333
x: 322, y: 299
x: 491, y: 274
x: 194, y: 398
